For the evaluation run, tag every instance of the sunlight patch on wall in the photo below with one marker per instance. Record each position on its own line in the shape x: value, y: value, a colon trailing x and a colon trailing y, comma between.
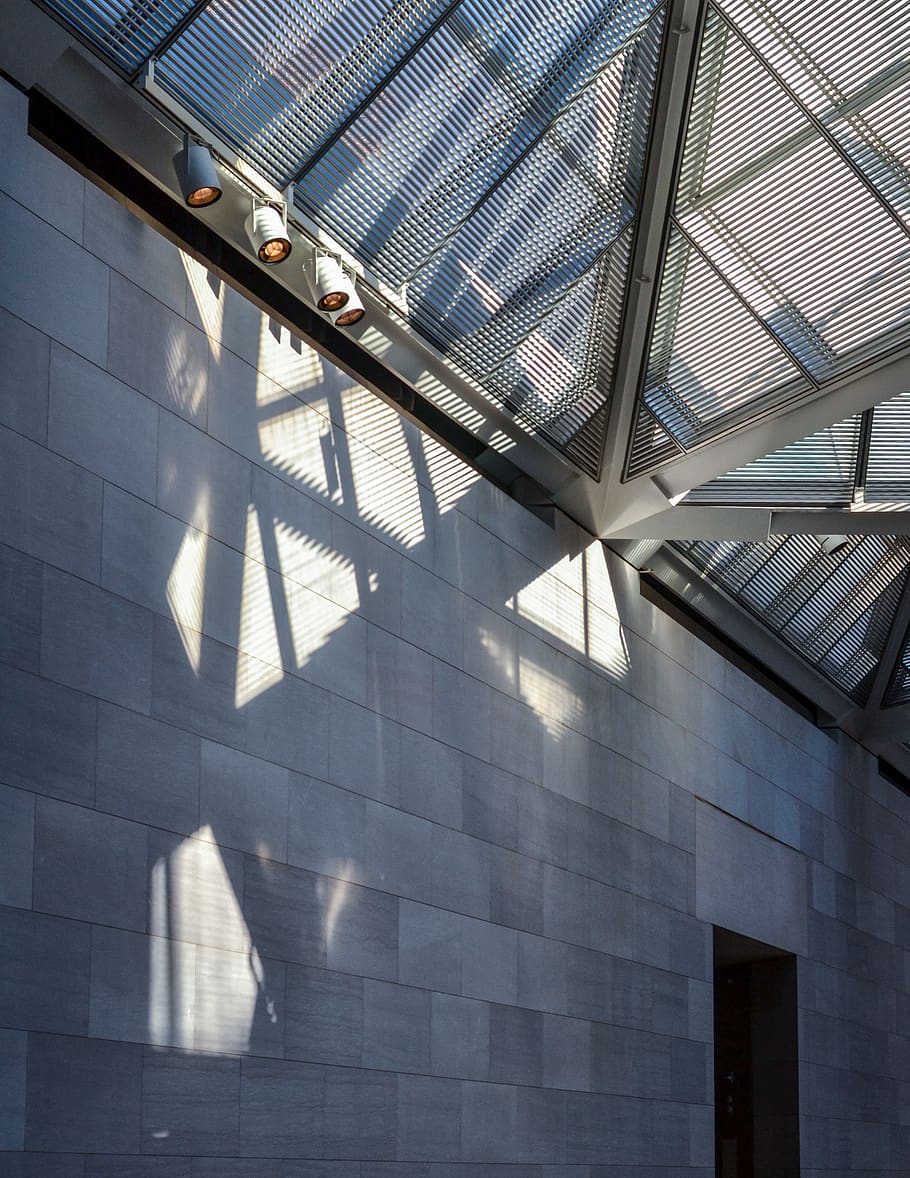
x: 205, y: 979
x: 259, y: 654
x: 385, y: 495
x: 313, y: 620
x: 450, y: 478
x: 185, y: 593
x: 553, y: 699
x: 286, y: 360
x: 553, y: 606
x: 606, y: 643
x: 291, y: 439
x: 308, y: 562
x: 203, y: 286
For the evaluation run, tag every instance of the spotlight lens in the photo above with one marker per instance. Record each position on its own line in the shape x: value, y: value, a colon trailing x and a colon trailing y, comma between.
x: 349, y: 318
x: 200, y: 197
x: 275, y: 250
x: 333, y: 301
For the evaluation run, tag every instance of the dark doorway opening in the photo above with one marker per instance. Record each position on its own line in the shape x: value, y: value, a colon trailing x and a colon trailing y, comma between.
x: 756, y: 1060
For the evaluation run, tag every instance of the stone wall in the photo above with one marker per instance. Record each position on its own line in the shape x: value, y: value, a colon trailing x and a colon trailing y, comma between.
x: 354, y: 822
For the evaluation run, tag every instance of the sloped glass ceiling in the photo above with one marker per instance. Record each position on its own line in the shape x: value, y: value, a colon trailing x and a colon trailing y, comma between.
x: 484, y: 160
x: 790, y: 225
x: 834, y: 610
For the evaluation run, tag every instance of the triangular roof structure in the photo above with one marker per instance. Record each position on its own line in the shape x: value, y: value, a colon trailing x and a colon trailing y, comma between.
x: 653, y: 257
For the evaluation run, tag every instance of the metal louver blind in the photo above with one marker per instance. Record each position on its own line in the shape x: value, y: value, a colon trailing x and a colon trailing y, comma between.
x: 126, y: 32
x: 835, y: 611
x: 818, y: 470
x: 888, y: 469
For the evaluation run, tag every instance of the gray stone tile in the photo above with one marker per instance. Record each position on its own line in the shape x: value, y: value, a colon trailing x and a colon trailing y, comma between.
x: 566, y: 762
x: 362, y: 931
x: 566, y: 906
x: 245, y: 1168
x: 17, y: 841
x: 154, y: 560
x: 432, y: 614
x: 516, y: 1045
x: 83, y: 1095
x: 460, y: 1037
x: 274, y: 729
x: 285, y: 911
x: 134, y: 249
x: 202, y: 482
x: 589, y: 981
x: 154, y: 349
x: 245, y: 800
x: 566, y: 1052
x: 541, y: 973
x: 491, y: 803
x: 516, y: 890
x: 431, y: 779
x: 196, y: 892
x: 489, y: 1114
x: 89, y: 866
x: 689, y: 1071
x: 542, y: 825
x: 240, y: 1003
x: 126, y: 1004
x: 690, y: 946
x: 360, y: 1114
x: 399, y: 681
x: 43, y: 972
x: 147, y: 771
x: 590, y: 1128
x: 429, y: 1119
x: 541, y: 1125
x: 189, y: 1103
x: 24, y: 378
x: 364, y: 751
x: 429, y: 947
x: 324, y: 1016
x: 50, y: 507
x: 200, y: 699
x: 671, y: 996
x: 398, y: 852
x: 632, y: 994
x: 13, y: 1056
x: 462, y: 711
x: 42, y: 292
x: 43, y: 1165
x: 326, y: 829
x: 589, y: 842
x: 34, y: 176
x: 490, y: 646
x: 670, y: 868
x: 20, y: 624
x: 280, y: 1108
x: 461, y: 872
x: 489, y: 965
x: 102, y: 424
x: 517, y: 740
x: 630, y: 1062
x: 96, y: 642
x: 127, y: 1166
x: 396, y: 1027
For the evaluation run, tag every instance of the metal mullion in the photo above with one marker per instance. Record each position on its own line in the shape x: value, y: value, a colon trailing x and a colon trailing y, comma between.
x: 864, y: 445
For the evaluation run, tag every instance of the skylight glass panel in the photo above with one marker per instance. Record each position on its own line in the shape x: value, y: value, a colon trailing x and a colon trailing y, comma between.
x: 888, y: 471
x: 856, y: 82
x: 276, y: 80
x: 834, y: 610
x: 710, y: 355
x: 783, y: 217
x: 818, y: 470
x: 127, y: 32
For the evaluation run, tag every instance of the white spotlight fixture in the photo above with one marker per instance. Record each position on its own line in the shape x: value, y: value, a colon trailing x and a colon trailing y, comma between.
x: 196, y: 172
x: 831, y: 544
x: 267, y: 229
x: 333, y: 285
